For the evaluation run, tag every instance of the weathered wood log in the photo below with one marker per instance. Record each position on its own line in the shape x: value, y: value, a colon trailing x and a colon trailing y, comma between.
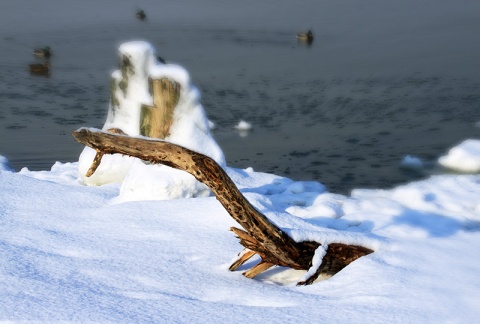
x: 259, y: 236
x: 257, y: 269
x: 243, y: 257
x: 155, y: 121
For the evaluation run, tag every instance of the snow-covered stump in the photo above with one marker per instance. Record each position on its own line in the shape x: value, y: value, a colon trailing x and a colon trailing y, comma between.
x: 152, y: 99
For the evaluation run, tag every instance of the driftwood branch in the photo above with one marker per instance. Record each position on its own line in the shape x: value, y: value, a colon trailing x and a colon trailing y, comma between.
x: 260, y: 236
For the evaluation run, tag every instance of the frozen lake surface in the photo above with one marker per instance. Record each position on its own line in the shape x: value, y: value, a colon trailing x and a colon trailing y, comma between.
x: 381, y: 80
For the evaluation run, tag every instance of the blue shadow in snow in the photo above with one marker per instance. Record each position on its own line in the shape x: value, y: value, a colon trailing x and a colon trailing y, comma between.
x: 434, y: 224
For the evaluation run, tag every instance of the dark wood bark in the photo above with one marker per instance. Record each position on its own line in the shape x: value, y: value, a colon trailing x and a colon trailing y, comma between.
x: 260, y: 235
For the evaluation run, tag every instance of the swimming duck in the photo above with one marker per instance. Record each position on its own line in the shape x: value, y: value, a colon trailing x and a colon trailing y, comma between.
x: 42, y: 52
x: 40, y: 68
x: 141, y: 15
x: 305, y: 37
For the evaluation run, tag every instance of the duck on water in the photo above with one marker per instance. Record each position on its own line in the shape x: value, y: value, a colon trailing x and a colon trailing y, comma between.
x: 42, y: 69
x: 42, y: 52
x: 141, y: 15
x: 305, y: 37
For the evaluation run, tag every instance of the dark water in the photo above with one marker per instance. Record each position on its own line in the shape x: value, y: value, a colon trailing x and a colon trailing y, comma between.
x: 380, y: 81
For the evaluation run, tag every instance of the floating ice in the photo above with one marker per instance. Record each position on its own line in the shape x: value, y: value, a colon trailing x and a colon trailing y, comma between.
x: 243, y: 126
x: 411, y: 162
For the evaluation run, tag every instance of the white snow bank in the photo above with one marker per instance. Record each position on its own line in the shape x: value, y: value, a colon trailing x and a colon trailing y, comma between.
x: 190, y: 128
x: 150, y: 182
x: 63, y: 173
x: 4, y: 166
x: 69, y: 254
x: 464, y: 157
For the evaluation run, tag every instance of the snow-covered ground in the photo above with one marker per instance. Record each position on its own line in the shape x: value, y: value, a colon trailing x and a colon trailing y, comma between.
x: 71, y: 252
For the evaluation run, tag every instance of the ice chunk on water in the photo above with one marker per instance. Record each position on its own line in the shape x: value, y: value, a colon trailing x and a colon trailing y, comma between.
x: 243, y: 126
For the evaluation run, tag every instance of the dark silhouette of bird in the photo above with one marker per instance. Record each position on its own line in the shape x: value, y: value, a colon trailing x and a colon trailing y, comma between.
x: 141, y: 15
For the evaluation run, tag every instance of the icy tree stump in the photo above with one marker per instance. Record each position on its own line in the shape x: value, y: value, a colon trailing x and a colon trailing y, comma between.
x: 259, y: 235
x: 155, y: 121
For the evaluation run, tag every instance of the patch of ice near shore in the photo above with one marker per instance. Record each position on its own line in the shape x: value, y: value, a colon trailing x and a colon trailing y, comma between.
x: 411, y: 162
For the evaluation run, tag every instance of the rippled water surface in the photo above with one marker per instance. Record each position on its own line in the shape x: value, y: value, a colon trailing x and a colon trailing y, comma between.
x: 380, y: 81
